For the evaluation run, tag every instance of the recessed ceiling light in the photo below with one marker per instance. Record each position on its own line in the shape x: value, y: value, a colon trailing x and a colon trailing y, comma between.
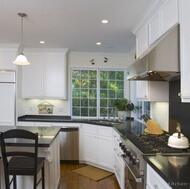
x: 104, y: 21
x: 98, y: 43
x: 42, y: 42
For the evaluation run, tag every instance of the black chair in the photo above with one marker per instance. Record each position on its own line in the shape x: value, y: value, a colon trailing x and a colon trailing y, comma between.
x: 17, y: 162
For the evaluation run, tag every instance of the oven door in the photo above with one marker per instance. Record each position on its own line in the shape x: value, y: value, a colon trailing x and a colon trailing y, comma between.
x: 133, y: 180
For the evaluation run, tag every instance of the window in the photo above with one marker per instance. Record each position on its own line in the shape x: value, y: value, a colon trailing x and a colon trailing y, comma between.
x: 111, y: 87
x: 144, y: 108
x: 93, y: 92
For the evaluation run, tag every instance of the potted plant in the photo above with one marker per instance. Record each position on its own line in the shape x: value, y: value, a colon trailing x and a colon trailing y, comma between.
x: 121, y: 106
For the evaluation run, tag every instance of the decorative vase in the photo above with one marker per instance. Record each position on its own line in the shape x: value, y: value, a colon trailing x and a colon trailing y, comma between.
x: 122, y: 115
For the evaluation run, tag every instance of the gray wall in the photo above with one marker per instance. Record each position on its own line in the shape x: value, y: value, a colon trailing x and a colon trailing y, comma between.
x: 178, y: 112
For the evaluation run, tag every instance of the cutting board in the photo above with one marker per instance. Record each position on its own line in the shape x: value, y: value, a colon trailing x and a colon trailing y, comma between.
x: 153, y: 127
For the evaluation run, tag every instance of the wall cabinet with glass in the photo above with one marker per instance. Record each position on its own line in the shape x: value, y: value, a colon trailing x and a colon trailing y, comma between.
x: 46, y: 76
x: 152, y: 91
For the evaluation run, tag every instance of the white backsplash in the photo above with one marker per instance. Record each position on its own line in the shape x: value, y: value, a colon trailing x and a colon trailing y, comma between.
x: 160, y: 113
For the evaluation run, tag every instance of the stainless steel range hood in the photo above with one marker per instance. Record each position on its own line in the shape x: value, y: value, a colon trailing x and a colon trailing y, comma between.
x: 161, y: 63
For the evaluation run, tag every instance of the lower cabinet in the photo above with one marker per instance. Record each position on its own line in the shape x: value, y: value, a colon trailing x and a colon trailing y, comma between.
x: 155, y: 181
x: 97, y: 146
x: 119, y: 164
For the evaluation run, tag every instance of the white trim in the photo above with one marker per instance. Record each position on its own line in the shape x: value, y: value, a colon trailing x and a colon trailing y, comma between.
x: 154, y: 5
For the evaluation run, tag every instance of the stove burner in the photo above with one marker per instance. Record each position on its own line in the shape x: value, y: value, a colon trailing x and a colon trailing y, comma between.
x: 149, y: 143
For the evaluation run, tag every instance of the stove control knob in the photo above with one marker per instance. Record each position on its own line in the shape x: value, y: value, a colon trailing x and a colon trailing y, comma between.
x: 122, y: 145
x: 131, y: 157
x: 128, y: 153
x: 135, y: 161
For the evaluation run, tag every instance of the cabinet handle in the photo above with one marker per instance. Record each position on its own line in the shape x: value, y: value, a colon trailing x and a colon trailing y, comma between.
x: 156, y: 186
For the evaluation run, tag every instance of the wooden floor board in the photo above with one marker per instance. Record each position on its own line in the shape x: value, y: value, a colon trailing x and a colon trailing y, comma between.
x: 72, y: 180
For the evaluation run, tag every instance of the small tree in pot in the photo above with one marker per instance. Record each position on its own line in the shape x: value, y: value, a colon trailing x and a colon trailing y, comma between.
x: 121, y: 106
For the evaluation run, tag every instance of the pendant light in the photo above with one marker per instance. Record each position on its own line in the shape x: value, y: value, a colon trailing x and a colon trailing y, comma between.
x: 21, y: 59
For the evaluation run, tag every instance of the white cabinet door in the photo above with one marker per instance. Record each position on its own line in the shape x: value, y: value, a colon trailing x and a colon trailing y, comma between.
x: 153, y: 180
x: 142, y: 41
x: 46, y: 76
x: 7, y: 56
x: 142, y: 90
x: 105, y: 152
x: 32, y: 76
x: 169, y: 14
x: 90, y: 148
x: 184, y: 15
x: 55, y: 75
x: 7, y: 104
x: 152, y: 91
x: 154, y: 28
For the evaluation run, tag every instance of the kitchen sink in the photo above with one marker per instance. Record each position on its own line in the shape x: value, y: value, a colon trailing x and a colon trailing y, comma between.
x: 104, y: 122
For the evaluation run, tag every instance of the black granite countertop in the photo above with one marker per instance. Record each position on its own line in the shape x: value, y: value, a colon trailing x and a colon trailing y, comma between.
x: 46, y: 135
x: 123, y: 127
x: 174, y: 169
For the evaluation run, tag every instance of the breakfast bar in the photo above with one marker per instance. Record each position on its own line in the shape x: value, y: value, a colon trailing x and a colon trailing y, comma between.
x: 48, y: 144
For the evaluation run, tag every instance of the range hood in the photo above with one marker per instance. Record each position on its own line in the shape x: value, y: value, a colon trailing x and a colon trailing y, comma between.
x: 161, y: 63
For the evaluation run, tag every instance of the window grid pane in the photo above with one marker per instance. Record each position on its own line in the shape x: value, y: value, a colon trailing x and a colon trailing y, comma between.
x: 85, y: 91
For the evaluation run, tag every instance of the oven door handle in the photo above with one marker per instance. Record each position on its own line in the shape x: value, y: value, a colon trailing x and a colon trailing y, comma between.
x: 137, y: 177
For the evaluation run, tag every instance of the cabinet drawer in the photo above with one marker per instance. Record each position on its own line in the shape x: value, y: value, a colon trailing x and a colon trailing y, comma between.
x: 43, y: 124
x: 154, y: 180
x: 90, y: 129
x: 116, y: 136
x: 23, y: 123
x: 105, y: 131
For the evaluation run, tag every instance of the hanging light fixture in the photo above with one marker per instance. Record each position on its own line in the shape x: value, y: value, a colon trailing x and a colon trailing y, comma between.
x: 21, y: 59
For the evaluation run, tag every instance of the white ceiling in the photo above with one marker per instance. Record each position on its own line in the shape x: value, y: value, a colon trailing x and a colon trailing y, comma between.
x: 73, y: 24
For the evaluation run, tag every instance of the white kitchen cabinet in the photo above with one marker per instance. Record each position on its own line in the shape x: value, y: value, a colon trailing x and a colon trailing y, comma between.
x: 46, y: 76
x: 155, y: 181
x: 7, y: 98
x: 7, y: 104
x: 154, y: 27
x: 169, y: 14
x: 8, y: 54
x: 163, y: 20
x: 91, y: 148
x: 97, y: 146
x: 184, y: 15
x: 119, y: 165
x: 142, y: 41
x: 152, y: 91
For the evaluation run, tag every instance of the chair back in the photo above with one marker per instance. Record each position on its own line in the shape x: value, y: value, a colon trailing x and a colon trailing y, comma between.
x: 12, y: 142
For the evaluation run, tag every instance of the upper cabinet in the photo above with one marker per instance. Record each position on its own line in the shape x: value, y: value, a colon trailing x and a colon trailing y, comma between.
x: 46, y: 76
x: 142, y: 41
x: 163, y: 18
x: 152, y: 91
x: 184, y: 15
x: 154, y: 27
x: 8, y: 54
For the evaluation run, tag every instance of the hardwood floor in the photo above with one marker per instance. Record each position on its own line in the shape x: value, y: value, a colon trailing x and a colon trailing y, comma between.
x: 72, y: 180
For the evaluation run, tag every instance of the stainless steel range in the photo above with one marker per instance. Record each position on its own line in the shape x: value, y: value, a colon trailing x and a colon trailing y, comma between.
x: 134, y: 146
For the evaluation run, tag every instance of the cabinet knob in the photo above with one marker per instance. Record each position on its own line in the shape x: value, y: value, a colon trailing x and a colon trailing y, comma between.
x: 156, y: 186
x: 179, y: 94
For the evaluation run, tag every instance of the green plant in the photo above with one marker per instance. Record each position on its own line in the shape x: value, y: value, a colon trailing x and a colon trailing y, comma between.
x: 120, y: 104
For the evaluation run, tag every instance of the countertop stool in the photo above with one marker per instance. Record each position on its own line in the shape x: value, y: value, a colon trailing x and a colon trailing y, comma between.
x: 17, y: 162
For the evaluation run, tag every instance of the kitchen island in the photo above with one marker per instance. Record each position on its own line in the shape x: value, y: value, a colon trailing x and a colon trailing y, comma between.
x: 48, y: 144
